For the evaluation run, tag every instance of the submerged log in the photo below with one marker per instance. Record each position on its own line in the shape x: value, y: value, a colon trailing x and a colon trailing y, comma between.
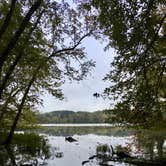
x: 84, y: 162
x: 92, y: 157
x: 124, y: 157
x: 121, y: 154
x: 131, y: 160
x: 137, y: 161
x: 70, y: 139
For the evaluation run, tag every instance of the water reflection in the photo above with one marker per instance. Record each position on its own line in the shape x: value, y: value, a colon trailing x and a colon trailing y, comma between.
x: 140, y: 144
x: 92, y: 142
x: 151, y: 143
x: 26, y: 149
x: 100, y: 130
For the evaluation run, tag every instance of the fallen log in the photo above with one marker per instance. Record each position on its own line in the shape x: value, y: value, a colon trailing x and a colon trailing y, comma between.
x: 137, y: 161
x: 145, y: 162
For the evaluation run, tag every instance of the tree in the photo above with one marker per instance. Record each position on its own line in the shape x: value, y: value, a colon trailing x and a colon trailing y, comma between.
x: 136, y: 29
x: 13, y: 41
x: 41, y: 50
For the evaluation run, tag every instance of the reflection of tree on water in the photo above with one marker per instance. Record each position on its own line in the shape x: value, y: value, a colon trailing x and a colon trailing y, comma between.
x: 25, y: 148
x: 69, y: 131
x: 151, y: 143
x: 7, y: 154
x: 104, y: 155
x: 147, y: 148
x: 30, y: 148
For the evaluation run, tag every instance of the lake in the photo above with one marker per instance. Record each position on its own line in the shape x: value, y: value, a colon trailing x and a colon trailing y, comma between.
x: 91, y: 140
x: 90, y: 136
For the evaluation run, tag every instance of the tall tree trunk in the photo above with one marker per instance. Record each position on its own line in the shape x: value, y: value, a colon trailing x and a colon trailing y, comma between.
x: 3, y: 108
x: 13, y: 127
x: 7, y: 19
x: 18, y: 33
x: 18, y: 57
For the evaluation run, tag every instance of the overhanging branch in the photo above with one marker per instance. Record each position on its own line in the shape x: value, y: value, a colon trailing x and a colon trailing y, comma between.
x: 70, y: 48
x: 155, y: 36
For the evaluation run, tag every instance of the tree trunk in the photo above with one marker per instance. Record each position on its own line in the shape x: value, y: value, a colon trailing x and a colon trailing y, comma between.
x: 18, y: 33
x: 3, y: 108
x: 18, y: 57
x: 7, y: 19
x: 13, y: 127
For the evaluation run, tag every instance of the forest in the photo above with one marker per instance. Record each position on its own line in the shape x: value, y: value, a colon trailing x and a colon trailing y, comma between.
x: 41, y: 48
x: 65, y: 116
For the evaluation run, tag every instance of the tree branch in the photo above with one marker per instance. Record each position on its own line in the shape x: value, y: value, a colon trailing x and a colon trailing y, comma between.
x: 18, y: 57
x: 70, y: 48
x: 155, y: 36
x: 8, y: 18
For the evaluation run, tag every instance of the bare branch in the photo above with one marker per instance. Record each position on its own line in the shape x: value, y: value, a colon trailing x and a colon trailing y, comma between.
x: 70, y: 48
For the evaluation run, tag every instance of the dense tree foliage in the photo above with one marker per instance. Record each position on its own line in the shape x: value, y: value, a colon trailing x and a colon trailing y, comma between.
x: 39, y: 50
x: 137, y: 30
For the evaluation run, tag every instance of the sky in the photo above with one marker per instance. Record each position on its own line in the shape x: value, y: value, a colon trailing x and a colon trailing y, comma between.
x: 79, y: 96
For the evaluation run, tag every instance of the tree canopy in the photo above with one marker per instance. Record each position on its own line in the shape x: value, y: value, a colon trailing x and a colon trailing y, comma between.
x: 137, y: 30
x: 40, y: 49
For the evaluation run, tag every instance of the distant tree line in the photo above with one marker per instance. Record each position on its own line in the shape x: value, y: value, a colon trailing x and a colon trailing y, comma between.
x: 72, y: 117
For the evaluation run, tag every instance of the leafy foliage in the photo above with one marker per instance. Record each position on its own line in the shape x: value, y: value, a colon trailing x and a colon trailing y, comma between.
x: 136, y: 29
x: 40, y: 49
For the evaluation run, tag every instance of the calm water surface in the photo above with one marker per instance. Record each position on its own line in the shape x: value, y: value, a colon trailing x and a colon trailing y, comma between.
x: 91, y: 140
x: 77, y: 125
x: 63, y: 153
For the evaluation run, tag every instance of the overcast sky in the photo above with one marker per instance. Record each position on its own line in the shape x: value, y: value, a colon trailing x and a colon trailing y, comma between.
x: 79, y: 96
